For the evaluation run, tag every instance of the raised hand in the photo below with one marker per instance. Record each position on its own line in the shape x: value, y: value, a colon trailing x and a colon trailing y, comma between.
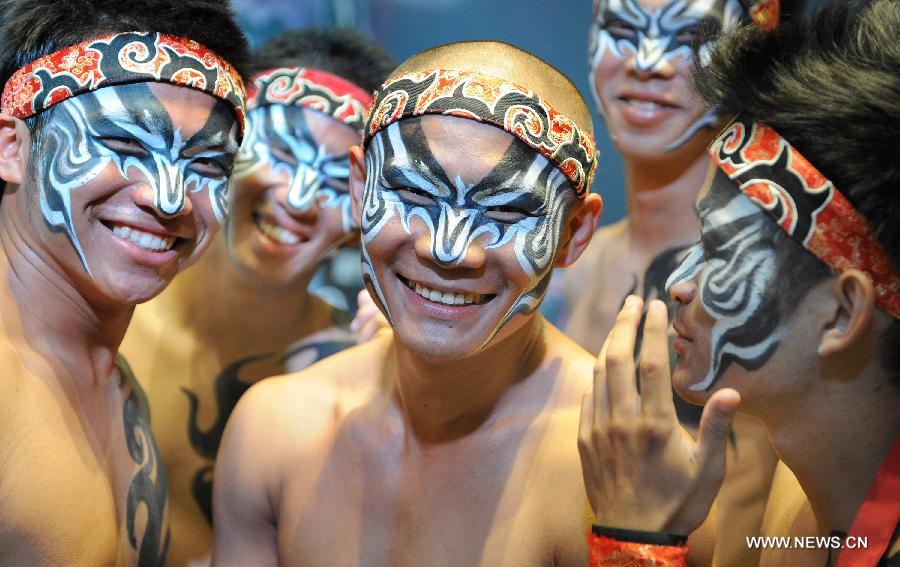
x: 642, y: 471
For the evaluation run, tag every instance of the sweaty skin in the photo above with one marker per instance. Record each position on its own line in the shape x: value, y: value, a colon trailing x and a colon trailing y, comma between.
x: 450, y: 441
x: 86, y: 485
x: 243, y: 312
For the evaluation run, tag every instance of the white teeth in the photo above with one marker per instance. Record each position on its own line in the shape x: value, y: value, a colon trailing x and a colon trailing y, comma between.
x: 145, y: 240
x: 277, y: 233
x: 643, y: 104
x: 447, y: 298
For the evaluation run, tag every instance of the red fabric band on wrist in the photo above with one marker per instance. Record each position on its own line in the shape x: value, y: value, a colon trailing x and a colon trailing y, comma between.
x: 608, y: 552
x: 119, y: 59
x: 805, y: 204
x: 317, y: 90
x: 490, y: 100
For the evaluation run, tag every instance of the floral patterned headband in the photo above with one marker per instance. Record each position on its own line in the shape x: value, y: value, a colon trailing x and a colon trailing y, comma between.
x: 490, y: 100
x: 805, y: 204
x: 118, y: 59
x: 317, y: 90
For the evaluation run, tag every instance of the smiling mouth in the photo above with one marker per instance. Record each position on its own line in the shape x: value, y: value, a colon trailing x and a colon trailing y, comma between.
x: 273, y: 231
x: 146, y: 240
x: 643, y: 104
x: 446, y: 297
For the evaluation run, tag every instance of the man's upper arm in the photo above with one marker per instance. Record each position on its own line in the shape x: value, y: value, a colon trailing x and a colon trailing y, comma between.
x: 246, y: 470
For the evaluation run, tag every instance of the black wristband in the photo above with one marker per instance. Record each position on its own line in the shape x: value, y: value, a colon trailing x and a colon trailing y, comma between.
x: 638, y: 536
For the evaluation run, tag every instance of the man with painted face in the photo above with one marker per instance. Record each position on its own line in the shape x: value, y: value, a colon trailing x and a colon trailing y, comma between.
x: 451, y: 440
x: 789, y: 307
x: 640, y: 62
x: 244, y: 311
x: 119, y: 124
x: 640, y: 74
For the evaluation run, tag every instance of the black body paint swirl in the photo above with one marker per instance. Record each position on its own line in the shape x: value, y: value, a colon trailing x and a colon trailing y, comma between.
x: 228, y: 391
x: 148, y: 490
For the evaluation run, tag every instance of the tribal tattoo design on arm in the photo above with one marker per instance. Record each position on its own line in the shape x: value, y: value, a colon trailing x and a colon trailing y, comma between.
x: 737, y: 262
x: 148, y: 492
x: 523, y: 202
x: 127, y: 126
x: 279, y: 136
x: 655, y: 37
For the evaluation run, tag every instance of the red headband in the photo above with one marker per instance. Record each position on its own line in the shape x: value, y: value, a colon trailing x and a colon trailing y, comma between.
x: 119, y: 59
x: 805, y: 204
x: 494, y: 101
x: 317, y: 90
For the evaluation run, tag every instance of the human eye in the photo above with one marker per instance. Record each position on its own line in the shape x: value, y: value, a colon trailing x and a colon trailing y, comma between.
x: 282, y: 152
x: 620, y: 29
x: 124, y: 146
x: 688, y: 34
x: 414, y: 196
x: 507, y: 214
x: 211, y: 167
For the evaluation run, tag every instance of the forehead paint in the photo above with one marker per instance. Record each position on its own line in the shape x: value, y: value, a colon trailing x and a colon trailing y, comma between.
x: 73, y: 153
x: 311, y: 166
x: 522, y: 181
x: 737, y: 262
x: 656, y: 37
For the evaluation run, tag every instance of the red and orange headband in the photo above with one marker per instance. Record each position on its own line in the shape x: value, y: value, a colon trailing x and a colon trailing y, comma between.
x: 118, y: 59
x: 490, y: 100
x: 805, y: 204
x: 317, y: 90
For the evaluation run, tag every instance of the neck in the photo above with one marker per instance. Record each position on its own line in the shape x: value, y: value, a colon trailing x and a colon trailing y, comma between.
x: 836, y: 444
x: 44, y: 311
x: 660, y: 198
x: 445, y: 400
x: 215, y: 296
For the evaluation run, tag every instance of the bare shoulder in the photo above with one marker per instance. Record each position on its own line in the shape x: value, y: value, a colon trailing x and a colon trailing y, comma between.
x: 573, y: 366
x: 295, y: 411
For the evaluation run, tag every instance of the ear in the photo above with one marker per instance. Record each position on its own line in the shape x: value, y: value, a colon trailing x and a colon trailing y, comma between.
x: 582, y: 224
x: 357, y: 181
x: 855, y: 303
x: 14, y: 140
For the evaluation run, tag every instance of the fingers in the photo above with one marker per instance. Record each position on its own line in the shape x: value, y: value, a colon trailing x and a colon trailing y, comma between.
x: 620, y: 380
x: 715, y: 429
x: 656, y: 383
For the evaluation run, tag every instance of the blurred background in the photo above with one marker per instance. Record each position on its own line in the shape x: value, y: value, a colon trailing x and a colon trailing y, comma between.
x: 554, y: 30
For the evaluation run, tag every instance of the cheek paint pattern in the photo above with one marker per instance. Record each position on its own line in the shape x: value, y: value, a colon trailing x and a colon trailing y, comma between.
x: 737, y: 263
x: 75, y: 155
x: 459, y: 213
x: 624, y: 28
x: 309, y: 167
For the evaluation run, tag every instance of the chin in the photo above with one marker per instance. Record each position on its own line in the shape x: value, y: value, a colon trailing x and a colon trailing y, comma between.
x: 683, y: 379
x: 436, y: 342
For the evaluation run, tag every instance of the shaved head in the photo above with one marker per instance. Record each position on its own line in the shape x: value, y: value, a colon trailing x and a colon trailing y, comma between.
x: 506, y: 62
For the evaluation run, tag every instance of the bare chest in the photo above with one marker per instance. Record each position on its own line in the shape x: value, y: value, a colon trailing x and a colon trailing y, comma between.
x: 491, y: 504
x: 81, y: 485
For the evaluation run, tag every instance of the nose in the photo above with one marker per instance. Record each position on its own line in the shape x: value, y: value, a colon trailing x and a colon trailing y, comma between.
x: 650, y: 61
x: 451, y: 240
x: 683, y: 291
x: 165, y: 193
x: 302, y: 190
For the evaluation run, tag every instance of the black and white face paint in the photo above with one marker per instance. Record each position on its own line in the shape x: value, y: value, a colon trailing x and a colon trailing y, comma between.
x: 655, y: 37
x: 279, y: 136
x: 522, y: 203
x: 737, y: 263
x: 128, y: 126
